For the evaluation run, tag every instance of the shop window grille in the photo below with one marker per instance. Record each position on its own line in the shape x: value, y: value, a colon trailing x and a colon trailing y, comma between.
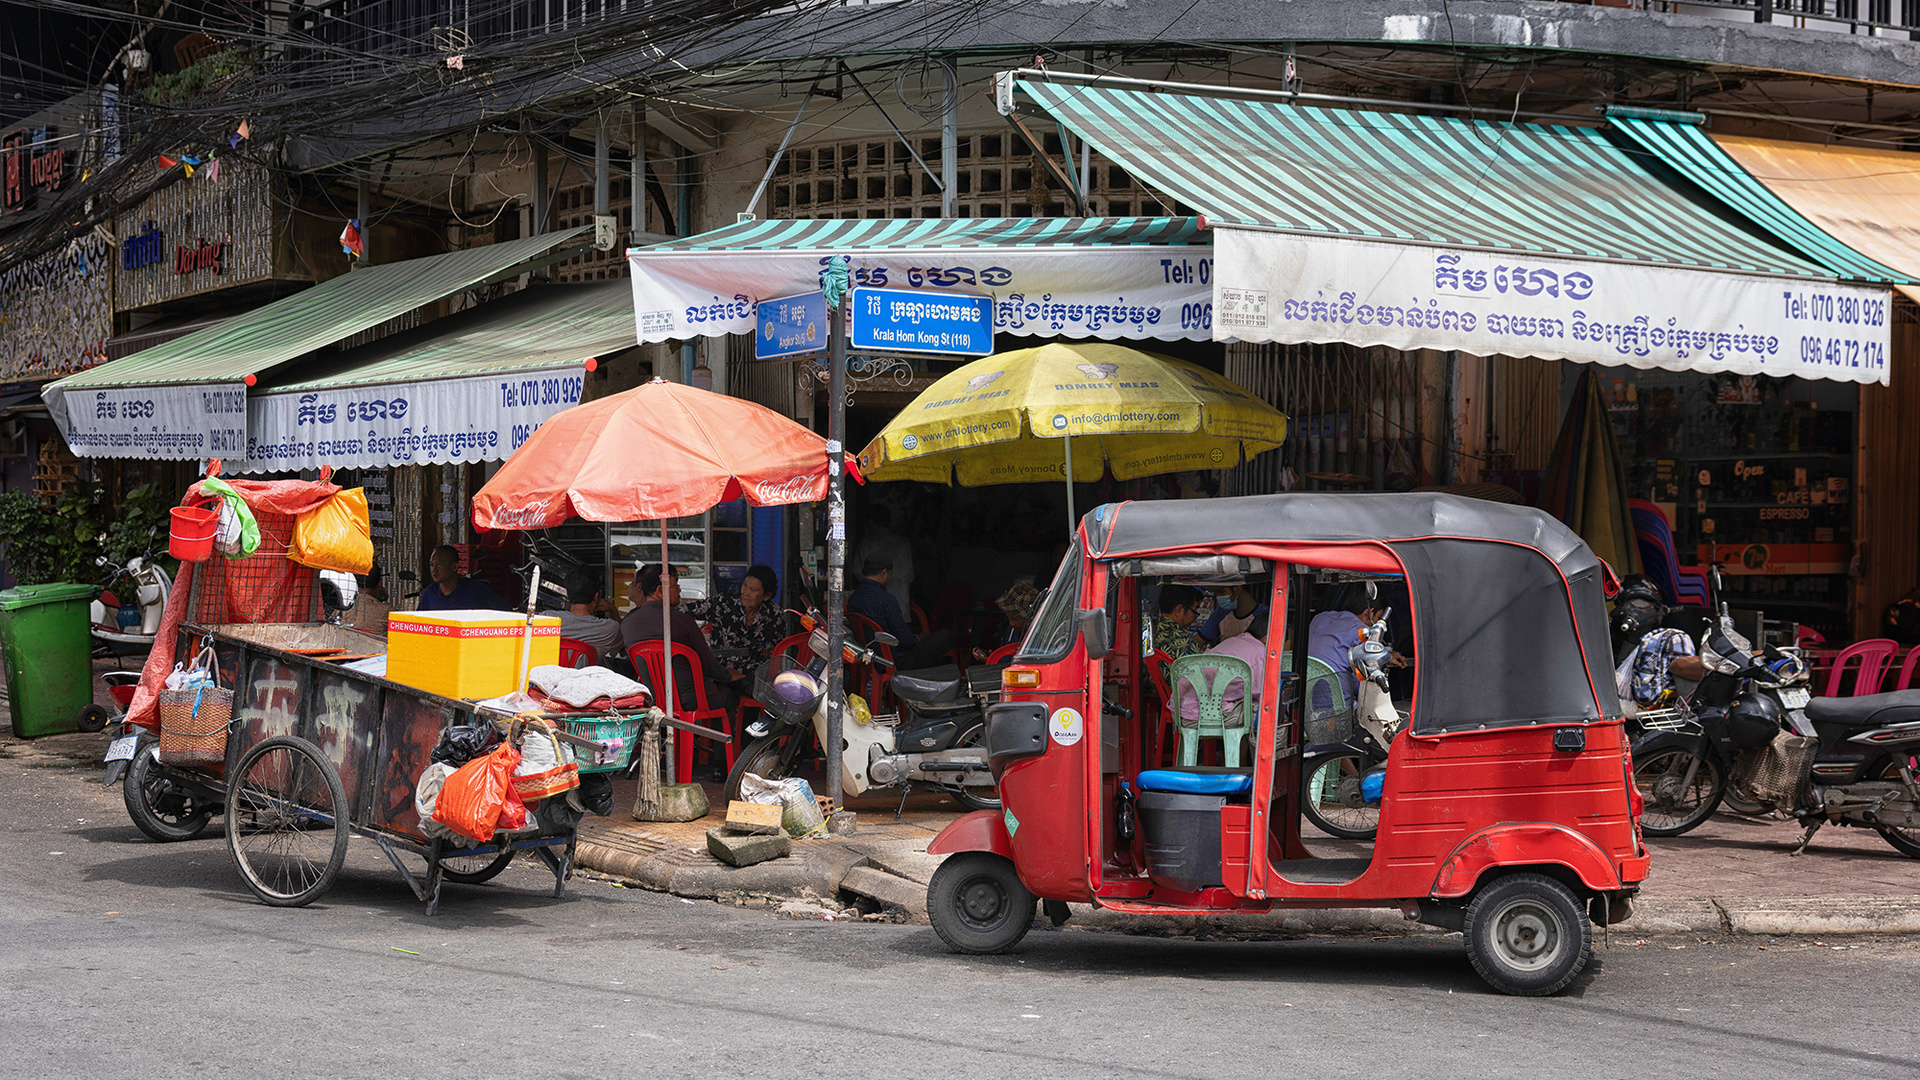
x: 1353, y: 417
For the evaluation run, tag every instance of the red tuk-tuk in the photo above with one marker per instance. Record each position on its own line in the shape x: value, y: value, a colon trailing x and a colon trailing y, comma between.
x: 1505, y: 809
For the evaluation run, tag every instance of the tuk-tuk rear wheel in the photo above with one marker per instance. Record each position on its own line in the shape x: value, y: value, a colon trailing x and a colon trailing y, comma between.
x: 978, y: 905
x: 1527, y: 934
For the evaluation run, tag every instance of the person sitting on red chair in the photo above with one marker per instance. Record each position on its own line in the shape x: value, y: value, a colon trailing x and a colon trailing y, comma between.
x: 871, y: 598
x: 650, y: 587
x: 582, y: 619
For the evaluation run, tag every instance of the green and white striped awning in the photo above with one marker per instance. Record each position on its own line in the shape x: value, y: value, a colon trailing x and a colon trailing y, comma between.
x: 1679, y: 141
x: 186, y: 399
x: 1490, y: 238
x: 845, y: 235
x: 1516, y: 188
x: 468, y: 387
x: 1107, y: 278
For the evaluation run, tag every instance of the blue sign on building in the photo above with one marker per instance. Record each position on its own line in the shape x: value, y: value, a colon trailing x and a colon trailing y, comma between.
x: 912, y: 320
x: 791, y: 326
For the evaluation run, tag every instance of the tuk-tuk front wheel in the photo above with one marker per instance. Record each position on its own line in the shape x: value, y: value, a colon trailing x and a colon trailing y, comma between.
x: 1527, y: 934
x: 978, y: 905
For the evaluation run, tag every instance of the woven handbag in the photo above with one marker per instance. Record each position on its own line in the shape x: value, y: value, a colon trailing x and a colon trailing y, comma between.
x: 194, y: 722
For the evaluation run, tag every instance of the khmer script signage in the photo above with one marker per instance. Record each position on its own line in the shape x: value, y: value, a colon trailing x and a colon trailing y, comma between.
x: 418, y: 423
x: 153, y: 423
x: 1132, y: 292
x: 1290, y: 289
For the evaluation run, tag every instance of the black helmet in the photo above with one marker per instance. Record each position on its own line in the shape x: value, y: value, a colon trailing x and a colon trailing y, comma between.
x: 1639, y: 587
x: 1753, y: 720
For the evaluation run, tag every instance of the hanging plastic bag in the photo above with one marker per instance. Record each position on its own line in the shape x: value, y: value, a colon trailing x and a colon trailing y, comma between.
x: 336, y: 535
x: 473, y: 799
x: 239, y: 531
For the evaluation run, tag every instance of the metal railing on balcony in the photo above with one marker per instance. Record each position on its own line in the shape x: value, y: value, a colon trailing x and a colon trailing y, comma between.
x: 1874, y: 18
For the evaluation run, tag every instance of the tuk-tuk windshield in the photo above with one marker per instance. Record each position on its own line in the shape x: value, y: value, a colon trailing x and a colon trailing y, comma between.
x: 1051, y: 633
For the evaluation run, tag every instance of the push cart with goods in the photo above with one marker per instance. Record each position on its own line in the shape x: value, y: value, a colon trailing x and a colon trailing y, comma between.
x: 312, y: 752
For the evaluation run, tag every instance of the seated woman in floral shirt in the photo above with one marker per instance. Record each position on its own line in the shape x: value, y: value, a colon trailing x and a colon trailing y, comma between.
x: 1173, y: 631
x: 752, y: 622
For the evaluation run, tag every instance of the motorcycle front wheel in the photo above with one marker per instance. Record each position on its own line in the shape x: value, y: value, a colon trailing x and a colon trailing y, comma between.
x: 1673, y: 805
x: 767, y: 758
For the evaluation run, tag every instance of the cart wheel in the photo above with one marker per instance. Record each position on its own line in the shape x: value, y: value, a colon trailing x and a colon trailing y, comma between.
x: 1528, y: 935
x: 93, y: 717
x: 474, y: 869
x: 157, y: 807
x: 978, y: 905
x: 286, y: 823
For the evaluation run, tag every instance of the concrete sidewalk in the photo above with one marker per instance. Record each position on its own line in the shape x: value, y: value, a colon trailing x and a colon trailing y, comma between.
x: 1733, y: 874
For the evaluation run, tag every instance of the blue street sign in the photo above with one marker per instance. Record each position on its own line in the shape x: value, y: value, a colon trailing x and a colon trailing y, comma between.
x: 911, y: 320
x: 791, y: 326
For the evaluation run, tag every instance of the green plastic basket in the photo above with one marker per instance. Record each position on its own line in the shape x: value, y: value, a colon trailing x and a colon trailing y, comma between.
x: 605, y: 729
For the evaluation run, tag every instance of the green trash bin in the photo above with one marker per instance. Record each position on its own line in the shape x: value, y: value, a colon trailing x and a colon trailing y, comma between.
x: 48, y: 646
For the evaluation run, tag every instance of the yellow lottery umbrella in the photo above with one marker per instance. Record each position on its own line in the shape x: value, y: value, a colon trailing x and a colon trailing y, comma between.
x: 1035, y: 414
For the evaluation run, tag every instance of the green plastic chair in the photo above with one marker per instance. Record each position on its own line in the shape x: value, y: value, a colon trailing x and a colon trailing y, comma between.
x: 1209, y: 695
x: 1319, y: 674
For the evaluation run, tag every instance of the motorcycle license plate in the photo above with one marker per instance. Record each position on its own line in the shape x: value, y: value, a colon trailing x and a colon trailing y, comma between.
x: 121, y: 749
x: 1795, y: 699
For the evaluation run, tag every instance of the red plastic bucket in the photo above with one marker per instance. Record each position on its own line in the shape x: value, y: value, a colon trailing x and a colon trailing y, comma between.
x: 193, y: 529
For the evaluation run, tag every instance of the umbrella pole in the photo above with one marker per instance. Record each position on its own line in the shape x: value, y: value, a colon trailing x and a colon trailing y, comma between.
x: 666, y: 658
x: 1073, y: 522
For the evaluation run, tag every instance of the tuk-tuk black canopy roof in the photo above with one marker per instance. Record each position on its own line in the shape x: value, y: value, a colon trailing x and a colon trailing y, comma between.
x: 1509, y: 610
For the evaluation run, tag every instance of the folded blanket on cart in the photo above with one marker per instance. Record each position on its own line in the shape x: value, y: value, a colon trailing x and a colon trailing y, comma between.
x: 588, y: 687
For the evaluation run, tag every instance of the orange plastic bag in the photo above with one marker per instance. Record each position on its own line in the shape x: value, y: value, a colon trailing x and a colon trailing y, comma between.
x: 336, y: 535
x: 474, y: 800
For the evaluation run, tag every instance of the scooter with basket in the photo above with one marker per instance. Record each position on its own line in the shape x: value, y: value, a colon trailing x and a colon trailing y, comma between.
x: 935, y: 739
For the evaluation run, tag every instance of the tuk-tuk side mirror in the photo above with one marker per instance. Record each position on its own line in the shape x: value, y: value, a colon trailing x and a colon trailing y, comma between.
x: 1097, y: 631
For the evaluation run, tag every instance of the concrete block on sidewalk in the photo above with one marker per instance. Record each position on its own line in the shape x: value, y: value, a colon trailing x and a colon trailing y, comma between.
x: 751, y: 817
x: 884, y: 887
x: 678, y: 802
x: 746, y: 849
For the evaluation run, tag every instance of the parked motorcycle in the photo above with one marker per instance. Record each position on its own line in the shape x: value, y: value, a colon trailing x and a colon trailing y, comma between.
x: 1339, y: 799
x: 1758, y: 736
x: 938, y: 736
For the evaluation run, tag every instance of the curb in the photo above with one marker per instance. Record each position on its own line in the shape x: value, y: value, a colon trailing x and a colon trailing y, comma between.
x: 823, y: 868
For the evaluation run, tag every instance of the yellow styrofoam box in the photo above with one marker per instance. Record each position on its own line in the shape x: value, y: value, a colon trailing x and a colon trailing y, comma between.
x: 465, y: 654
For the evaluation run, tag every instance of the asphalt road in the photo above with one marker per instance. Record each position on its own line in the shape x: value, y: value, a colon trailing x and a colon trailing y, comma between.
x: 125, y: 958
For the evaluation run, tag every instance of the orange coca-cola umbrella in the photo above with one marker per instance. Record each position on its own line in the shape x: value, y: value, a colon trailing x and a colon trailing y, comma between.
x: 658, y: 451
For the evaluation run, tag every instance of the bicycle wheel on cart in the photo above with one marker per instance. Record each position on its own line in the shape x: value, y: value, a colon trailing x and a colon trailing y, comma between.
x: 286, y: 821
x: 474, y: 869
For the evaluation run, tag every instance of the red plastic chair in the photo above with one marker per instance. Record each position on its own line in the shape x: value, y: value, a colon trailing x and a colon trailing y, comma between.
x: 872, y: 678
x: 919, y: 617
x: 1907, y: 668
x: 1873, y: 654
x: 802, y: 653
x: 1153, y: 663
x: 1003, y: 652
x: 648, y: 653
x: 577, y: 654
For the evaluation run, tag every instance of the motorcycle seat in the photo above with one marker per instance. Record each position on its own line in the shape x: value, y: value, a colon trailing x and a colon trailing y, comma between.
x: 1868, y: 710
x: 927, y: 686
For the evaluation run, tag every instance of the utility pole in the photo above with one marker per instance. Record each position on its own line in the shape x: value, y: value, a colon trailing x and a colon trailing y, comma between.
x: 836, y: 537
